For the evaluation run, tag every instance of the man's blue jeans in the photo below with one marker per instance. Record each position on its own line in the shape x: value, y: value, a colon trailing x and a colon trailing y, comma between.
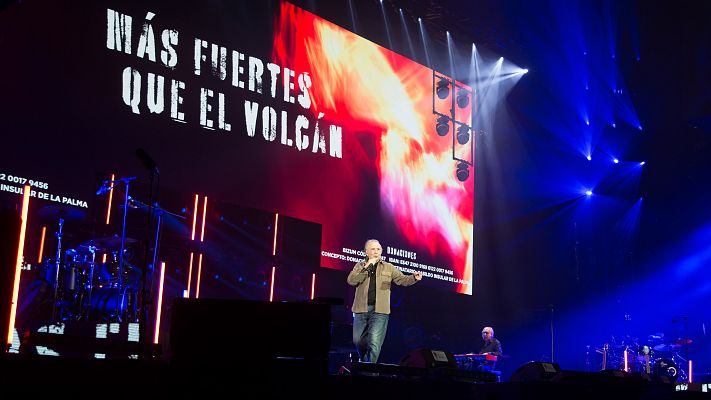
x: 369, y: 330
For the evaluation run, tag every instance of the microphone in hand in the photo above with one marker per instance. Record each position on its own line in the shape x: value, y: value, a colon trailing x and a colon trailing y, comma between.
x: 370, y: 269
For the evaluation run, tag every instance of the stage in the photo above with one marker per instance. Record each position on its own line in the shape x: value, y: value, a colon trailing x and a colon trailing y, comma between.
x: 90, y: 378
x: 188, y: 193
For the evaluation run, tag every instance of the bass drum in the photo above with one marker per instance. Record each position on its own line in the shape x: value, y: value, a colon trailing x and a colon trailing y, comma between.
x: 106, y: 301
x: 666, y: 367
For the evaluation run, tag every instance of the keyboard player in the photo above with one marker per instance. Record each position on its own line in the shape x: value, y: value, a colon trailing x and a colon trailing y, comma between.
x: 491, y: 346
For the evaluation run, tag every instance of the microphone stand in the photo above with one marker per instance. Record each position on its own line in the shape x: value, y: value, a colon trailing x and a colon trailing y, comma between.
x: 57, y: 265
x: 145, y: 298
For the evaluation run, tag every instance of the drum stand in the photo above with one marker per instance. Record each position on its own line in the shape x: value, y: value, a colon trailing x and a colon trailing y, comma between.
x: 682, y: 375
x: 120, y: 286
x: 92, y: 269
x: 57, y: 265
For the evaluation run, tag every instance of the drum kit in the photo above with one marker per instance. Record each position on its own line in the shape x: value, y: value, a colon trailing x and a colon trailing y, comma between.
x: 94, y: 280
x: 655, y: 357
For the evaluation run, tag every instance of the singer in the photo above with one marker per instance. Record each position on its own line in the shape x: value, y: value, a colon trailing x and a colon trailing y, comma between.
x: 372, y: 278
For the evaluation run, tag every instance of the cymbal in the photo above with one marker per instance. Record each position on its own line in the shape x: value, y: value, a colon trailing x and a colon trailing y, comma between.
x: 110, y: 243
x: 655, y: 338
x: 56, y: 211
x: 683, y: 341
x: 666, y: 347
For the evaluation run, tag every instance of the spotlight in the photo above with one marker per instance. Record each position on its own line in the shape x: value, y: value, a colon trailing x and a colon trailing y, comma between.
x: 588, y: 192
x: 442, y: 125
x: 443, y: 88
x: 463, y: 134
x: 642, y: 163
x: 589, y: 157
x: 462, y: 171
x: 462, y: 98
x: 616, y: 161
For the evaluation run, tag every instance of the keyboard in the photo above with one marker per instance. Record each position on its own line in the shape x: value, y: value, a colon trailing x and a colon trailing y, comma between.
x: 474, y: 357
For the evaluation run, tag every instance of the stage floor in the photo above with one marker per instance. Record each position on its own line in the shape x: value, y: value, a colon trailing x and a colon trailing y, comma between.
x: 83, y: 378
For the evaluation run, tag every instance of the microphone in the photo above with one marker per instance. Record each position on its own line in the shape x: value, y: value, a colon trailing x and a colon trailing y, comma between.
x: 109, y: 184
x: 147, y: 161
x: 105, y: 187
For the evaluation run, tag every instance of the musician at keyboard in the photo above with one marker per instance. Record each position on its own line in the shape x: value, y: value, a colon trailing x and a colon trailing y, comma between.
x: 491, y: 346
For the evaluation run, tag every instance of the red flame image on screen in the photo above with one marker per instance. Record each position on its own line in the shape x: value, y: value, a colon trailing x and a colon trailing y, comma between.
x: 383, y: 100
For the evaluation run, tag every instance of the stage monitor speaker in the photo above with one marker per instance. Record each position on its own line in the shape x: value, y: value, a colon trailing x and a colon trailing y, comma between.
x: 426, y: 358
x: 249, y: 335
x: 535, y: 371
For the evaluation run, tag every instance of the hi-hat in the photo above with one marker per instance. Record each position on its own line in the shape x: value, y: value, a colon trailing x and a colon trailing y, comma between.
x: 110, y: 243
x: 56, y: 211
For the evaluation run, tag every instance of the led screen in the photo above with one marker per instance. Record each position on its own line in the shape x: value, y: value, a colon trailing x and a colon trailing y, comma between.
x: 262, y: 105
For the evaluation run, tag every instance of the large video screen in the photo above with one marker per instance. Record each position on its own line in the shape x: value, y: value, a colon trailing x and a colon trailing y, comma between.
x: 261, y: 104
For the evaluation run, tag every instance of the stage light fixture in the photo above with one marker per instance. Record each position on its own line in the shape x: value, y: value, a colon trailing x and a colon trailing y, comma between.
x: 442, y: 88
x: 588, y: 192
x: 462, y: 98
x: 442, y: 125
x: 462, y: 171
x: 616, y: 161
x: 463, y: 134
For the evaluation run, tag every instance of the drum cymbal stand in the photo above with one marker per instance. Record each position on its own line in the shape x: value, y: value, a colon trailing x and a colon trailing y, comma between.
x: 155, y: 211
x: 57, y: 265
x: 92, y: 268
x: 680, y: 363
x: 108, y: 185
